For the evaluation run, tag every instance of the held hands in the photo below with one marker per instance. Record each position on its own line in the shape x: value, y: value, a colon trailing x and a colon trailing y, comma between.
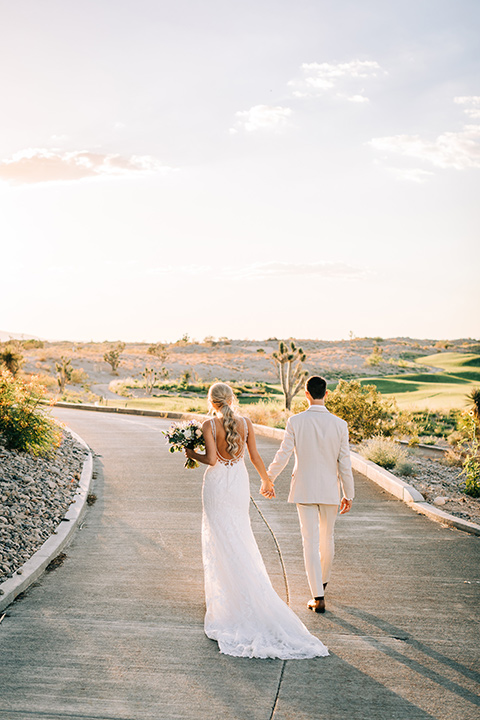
x: 267, y: 489
x: 345, y: 506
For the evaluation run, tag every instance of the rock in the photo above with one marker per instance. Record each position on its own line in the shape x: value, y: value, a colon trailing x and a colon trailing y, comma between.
x: 440, y: 500
x: 36, y: 494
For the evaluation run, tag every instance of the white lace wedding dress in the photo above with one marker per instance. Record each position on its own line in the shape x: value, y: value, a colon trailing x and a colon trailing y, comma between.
x: 244, y: 613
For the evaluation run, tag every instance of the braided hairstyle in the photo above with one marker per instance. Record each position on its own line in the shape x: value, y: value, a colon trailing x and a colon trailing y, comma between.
x: 222, y: 395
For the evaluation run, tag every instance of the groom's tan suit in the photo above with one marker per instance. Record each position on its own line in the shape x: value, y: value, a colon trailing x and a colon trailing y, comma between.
x: 322, y: 466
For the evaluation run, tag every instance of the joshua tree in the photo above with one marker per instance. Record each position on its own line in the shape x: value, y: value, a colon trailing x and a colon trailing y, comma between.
x: 159, y: 350
x: 112, y: 357
x: 150, y: 376
x: 11, y: 358
x: 290, y: 368
x: 64, y: 372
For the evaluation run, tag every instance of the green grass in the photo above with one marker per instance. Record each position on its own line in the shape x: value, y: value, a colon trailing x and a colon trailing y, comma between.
x: 436, y: 391
x: 439, y: 391
x: 164, y: 403
x: 197, y: 401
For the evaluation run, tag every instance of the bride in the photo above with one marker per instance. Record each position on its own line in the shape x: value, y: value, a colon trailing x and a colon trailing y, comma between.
x: 244, y: 613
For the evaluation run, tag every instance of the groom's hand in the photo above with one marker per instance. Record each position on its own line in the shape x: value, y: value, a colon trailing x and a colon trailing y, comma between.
x: 345, y: 506
x: 267, y: 489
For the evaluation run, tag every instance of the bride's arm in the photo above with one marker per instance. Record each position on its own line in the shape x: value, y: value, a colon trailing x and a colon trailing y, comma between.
x: 210, y: 455
x: 257, y: 462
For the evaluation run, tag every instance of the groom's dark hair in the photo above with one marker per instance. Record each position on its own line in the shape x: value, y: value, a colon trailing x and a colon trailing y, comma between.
x: 316, y: 386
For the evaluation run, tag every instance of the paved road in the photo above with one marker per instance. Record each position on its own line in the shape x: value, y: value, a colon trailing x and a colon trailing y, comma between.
x: 115, y: 632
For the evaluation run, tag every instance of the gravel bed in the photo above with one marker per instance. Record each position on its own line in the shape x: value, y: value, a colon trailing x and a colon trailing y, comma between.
x: 35, y: 494
x: 442, y: 485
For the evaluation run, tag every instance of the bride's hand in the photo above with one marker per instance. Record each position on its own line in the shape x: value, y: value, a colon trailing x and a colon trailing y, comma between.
x: 267, y: 489
x: 189, y: 453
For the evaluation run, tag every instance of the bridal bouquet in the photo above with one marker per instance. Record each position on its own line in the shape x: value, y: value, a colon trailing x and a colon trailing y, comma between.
x: 185, y: 435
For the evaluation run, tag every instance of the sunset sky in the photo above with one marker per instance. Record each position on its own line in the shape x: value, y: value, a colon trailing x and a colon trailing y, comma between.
x: 247, y: 169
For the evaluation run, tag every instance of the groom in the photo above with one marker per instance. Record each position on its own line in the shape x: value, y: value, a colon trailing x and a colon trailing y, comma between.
x: 322, y: 463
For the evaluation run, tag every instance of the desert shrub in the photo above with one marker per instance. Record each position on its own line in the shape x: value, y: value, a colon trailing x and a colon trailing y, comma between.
x: 300, y: 405
x: 363, y: 408
x: 376, y: 357
x: 75, y: 396
x: 471, y: 460
x: 185, y: 378
x: 404, y: 467
x: 387, y: 453
x: 11, y: 358
x: 32, y: 344
x: 160, y: 350
x: 48, y: 381
x: 24, y: 425
x: 437, y: 424
x: 474, y: 399
x: 452, y: 458
x: 266, y: 412
x: 429, y: 440
x: 122, y: 387
x: 78, y: 376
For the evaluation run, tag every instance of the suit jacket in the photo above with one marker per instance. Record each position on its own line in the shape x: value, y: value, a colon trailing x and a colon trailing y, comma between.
x: 322, y: 457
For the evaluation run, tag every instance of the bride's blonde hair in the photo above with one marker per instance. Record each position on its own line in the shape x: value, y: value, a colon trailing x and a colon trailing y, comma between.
x: 222, y: 395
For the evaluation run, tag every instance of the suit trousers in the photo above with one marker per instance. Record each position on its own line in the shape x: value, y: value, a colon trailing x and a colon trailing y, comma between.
x: 317, y: 523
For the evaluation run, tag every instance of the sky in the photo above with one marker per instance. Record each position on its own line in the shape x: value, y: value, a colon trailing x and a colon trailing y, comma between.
x: 254, y: 169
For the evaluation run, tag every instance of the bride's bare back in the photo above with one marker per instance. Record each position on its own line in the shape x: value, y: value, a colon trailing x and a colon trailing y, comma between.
x: 221, y: 440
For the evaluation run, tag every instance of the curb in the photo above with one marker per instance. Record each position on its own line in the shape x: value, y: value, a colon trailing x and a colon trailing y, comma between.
x: 385, y: 479
x: 35, y: 566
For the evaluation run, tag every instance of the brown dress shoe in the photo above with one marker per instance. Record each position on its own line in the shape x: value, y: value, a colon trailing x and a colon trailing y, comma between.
x: 317, y: 604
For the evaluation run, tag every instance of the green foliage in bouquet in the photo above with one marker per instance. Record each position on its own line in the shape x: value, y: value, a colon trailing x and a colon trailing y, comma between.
x: 23, y: 424
x: 185, y: 435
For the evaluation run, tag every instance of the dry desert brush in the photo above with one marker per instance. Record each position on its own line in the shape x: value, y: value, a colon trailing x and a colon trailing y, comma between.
x: 388, y: 454
x: 363, y: 408
x: 10, y: 358
x: 24, y: 425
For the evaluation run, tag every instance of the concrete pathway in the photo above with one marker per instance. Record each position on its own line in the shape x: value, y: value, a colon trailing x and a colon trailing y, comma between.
x: 116, y: 631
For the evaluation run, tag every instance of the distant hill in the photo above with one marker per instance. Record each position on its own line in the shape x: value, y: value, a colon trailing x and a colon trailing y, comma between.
x: 5, y: 336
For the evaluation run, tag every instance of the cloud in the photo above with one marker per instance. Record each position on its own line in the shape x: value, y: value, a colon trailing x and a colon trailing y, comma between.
x: 283, y: 269
x: 472, y: 102
x: 339, y: 79
x: 180, y: 270
x: 262, y: 117
x: 36, y: 165
x: 58, y: 139
x: 459, y: 150
x: 263, y: 271
x: 356, y: 98
x: 416, y: 175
